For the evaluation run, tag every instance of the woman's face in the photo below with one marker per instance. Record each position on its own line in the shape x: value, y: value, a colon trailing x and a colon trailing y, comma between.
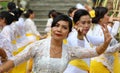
x: 32, y: 15
x: 105, y: 19
x: 61, y: 30
x: 2, y: 22
x: 84, y: 23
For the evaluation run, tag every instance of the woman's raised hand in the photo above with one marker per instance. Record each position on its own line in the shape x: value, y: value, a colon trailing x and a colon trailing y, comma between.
x: 107, y: 35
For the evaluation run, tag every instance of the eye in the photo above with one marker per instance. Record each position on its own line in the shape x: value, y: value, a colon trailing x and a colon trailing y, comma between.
x: 83, y: 22
x: 89, y: 22
x: 57, y: 25
x: 65, y: 27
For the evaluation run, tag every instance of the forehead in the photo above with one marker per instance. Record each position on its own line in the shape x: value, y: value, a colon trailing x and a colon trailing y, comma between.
x: 62, y: 22
x: 85, y: 17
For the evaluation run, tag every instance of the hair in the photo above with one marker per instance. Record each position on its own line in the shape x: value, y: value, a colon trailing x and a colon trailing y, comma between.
x: 27, y: 13
x: 64, y: 18
x: 71, y: 10
x: 11, y: 6
x: 8, y: 16
x: 78, y: 14
x: 52, y: 13
x: 17, y: 13
x: 99, y: 13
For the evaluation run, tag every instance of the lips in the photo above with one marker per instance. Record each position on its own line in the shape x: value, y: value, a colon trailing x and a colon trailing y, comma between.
x: 86, y: 30
x: 58, y: 34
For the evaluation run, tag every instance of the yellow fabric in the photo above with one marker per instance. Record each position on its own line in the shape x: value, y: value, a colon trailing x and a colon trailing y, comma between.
x: 116, y: 65
x: 97, y: 67
x: 22, y: 67
x: 18, y: 51
x: 13, y: 42
x: 29, y: 65
x: 37, y: 37
x: 65, y: 41
x: 79, y: 63
x: 29, y: 34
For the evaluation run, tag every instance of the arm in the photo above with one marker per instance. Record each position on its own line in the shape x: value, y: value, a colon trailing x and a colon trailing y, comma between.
x: 115, y: 28
x: 7, y: 66
x: 113, y: 48
x: 27, y: 53
x: 3, y: 55
x: 100, y: 49
x: 92, y: 52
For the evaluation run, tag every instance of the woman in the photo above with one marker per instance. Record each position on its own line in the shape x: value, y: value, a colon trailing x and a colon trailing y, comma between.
x: 30, y: 27
x: 52, y: 14
x: 51, y: 53
x: 83, y: 23
x: 5, y: 49
x: 103, y: 63
x: 5, y: 45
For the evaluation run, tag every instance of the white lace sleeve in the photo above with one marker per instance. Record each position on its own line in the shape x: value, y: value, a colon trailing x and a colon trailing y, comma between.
x: 28, y: 52
x: 113, y: 49
x: 6, y: 45
x: 80, y: 52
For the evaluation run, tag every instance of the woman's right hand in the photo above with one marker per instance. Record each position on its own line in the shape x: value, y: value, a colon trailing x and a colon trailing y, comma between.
x: 3, y: 55
x: 107, y: 35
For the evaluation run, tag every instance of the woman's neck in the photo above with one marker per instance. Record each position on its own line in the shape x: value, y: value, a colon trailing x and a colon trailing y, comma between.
x: 55, y: 42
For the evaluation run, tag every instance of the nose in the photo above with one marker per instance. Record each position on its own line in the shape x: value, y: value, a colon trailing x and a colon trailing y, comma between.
x: 87, y: 24
x: 59, y: 28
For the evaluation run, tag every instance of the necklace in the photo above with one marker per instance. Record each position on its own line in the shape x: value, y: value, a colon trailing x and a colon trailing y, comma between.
x: 55, y: 52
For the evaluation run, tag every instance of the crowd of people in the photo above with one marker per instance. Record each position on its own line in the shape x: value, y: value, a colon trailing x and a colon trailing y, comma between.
x: 81, y: 42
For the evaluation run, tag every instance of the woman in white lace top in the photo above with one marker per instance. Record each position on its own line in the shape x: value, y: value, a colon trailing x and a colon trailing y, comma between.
x: 51, y: 55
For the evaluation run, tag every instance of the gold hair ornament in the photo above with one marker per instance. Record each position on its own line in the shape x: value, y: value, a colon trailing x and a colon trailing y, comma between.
x: 92, y: 13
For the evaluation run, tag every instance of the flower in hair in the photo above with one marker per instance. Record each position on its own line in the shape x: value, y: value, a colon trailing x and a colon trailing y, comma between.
x: 22, y: 9
x: 12, y: 13
x: 92, y: 13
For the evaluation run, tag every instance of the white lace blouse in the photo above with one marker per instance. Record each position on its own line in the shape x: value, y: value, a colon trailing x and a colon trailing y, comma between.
x: 6, y: 45
x: 43, y: 63
x: 30, y: 27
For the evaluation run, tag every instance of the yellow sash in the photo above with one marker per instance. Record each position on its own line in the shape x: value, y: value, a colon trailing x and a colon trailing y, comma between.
x: 13, y: 42
x: 79, y: 63
x: 19, y: 50
x: 30, y: 34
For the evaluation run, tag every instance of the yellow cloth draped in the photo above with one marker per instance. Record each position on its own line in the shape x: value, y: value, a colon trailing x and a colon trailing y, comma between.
x: 13, y: 42
x: 97, y: 67
x: 22, y: 67
x: 81, y: 64
x: 116, y: 63
x: 30, y: 34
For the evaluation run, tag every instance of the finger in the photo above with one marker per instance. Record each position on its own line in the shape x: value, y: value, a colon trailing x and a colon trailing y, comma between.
x: 105, y: 27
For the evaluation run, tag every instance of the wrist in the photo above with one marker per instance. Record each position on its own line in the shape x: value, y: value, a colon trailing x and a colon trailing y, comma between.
x: 80, y: 37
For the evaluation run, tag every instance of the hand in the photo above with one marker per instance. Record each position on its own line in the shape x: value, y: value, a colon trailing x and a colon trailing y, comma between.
x: 80, y: 33
x: 107, y: 36
x: 107, y: 39
x: 79, y: 29
x: 3, y: 55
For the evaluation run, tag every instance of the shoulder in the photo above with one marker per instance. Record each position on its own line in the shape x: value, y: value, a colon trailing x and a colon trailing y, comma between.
x: 41, y: 42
